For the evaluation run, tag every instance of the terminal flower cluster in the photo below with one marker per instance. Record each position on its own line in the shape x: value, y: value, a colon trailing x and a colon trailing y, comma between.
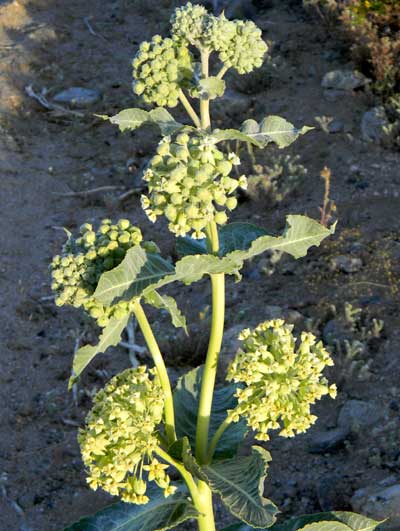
x: 160, y: 68
x: 76, y: 271
x: 279, y: 379
x: 189, y: 183
x: 119, y: 440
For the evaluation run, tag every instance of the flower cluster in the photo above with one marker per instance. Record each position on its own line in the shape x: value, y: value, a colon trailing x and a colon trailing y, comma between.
x: 193, y: 24
x: 161, y: 68
x: 75, y: 273
x: 239, y: 43
x: 279, y: 381
x: 120, y: 438
x: 189, y: 183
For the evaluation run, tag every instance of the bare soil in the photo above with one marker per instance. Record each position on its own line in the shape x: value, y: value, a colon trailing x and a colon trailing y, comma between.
x: 46, y: 154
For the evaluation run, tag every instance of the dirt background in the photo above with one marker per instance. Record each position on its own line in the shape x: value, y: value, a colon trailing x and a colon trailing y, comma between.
x: 47, y: 154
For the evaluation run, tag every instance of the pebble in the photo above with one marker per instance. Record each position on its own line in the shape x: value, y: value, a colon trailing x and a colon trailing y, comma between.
x: 379, y: 502
x: 334, y: 94
x: 335, y: 126
x: 334, y: 330
x: 347, y: 264
x: 78, y: 97
x: 357, y: 414
x: 327, y: 441
x: 346, y: 80
x: 373, y: 123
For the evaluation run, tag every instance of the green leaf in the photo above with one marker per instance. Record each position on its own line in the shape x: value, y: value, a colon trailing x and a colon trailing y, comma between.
x: 238, y: 237
x: 157, y: 515
x: 186, y: 401
x: 137, y: 270
x: 271, y: 129
x: 165, y: 302
x: 186, y: 246
x: 240, y: 483
x: 300, y: 234
x: 348, y: 522
x: 110, y: 337
x: 211, y: 88
x: 131, y: 119
x: 232, y: 237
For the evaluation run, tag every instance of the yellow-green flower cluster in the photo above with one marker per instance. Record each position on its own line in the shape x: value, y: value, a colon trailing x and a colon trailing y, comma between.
x: 189, y: 183
x: 193, y: 24
x: 161, y: 68
x: 120, y: 438
x: 240, y: 44
x: 279, y: 379
x: 76, y: 271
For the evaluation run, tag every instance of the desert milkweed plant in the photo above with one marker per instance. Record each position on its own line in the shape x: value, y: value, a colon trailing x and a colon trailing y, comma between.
x: 140, y: 434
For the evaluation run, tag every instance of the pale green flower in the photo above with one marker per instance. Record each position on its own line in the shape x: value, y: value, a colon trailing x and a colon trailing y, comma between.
x: 120, y: 436
x: 189, y: 183
x: 279, y: 379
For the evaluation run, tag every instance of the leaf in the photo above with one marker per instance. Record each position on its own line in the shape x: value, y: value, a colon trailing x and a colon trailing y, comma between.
x: 186, y: 246
x: 300, y: 234
x: 186, y: 401
x: 137, y: 270
x: 271, y: 129
x: 131, y: 119
x: 110, y: 337
x: 350, y: 521
x: 157, y: 515
x: 238, y: 236
x: 240, y: 483
x: 211, y: 88
x: 168, y: 303
x: 233, y: 236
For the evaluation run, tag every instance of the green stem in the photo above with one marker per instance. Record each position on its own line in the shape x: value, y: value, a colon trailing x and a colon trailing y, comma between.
x: 205, y: 520
x: 222, y: 72
x: 189, y: 109
x: 187, y: 476
x: 161, y: 371
x: 205, y: 103
x: 217, y: 435
x: 214, y: 347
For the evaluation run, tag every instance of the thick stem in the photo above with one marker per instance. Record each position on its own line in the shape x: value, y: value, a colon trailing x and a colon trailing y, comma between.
x: 222, y: 72
x: 161, y: 371
x: 205, y: 520
x: 205, y: 103
x: 189, y: 109
x: 214, y: 347
x: 187, y: 476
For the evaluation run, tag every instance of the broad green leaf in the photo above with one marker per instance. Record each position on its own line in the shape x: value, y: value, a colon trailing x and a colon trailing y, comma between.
x: 271, y: 129
x: 157, y: 515
x: 211, y: 88
x: 310, y: 522
x: 131, y: 119
x: 165, y: 302
x: 110, y: 337
x: 232, y: 237
x: 238, y: 237
x: 280, y: 131
x: 186, y: 246
x: 186, y: 400
x: 300, y: 234
x: 182, y: 451
x: 240, y: 483
x: 137, y: 270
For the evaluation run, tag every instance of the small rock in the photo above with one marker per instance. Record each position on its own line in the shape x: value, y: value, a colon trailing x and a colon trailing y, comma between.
x: 357, y: 414
x: 379, y: 503
x: 334, y: 94
x: 373, y: 123
x: 335, y: 126
x: 347, y: 264
x: 347, y: 80
x: 78, y: 97
x: 334, y: 330
x: 328, y: 441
